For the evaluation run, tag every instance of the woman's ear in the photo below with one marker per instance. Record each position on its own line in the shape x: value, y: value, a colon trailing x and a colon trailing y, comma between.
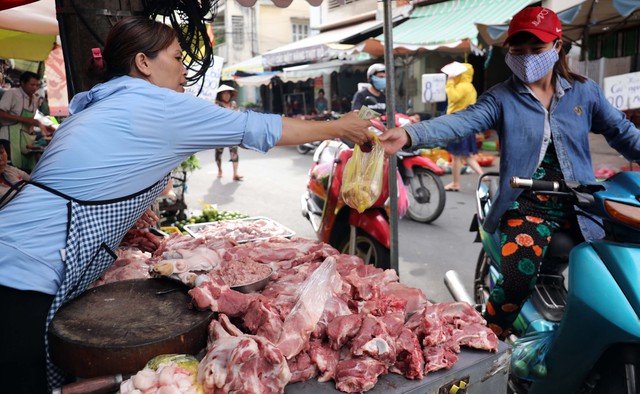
x: 558, y: 46
x: 142, y: 65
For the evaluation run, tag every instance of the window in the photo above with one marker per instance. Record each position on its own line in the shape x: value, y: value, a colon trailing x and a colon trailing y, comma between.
x: 337, y: 3
x: 299, y: 30
x: 237, y: 30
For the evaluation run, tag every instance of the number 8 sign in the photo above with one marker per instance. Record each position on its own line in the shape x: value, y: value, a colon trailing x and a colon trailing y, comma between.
x: 433, y: 88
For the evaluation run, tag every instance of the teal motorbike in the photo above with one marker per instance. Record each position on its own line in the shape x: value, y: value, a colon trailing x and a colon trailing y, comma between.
x: 581, y: 333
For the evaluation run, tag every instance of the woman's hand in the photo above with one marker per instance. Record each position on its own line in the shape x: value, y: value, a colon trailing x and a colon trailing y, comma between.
x: 354, y: 129
x: 394, y: 139
x: 148, y: 219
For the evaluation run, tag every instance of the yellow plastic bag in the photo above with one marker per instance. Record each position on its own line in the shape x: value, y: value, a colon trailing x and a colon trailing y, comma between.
x: 362, y: 177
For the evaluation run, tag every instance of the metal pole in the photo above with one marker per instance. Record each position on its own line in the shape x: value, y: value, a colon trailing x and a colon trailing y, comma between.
x: 391, y: 121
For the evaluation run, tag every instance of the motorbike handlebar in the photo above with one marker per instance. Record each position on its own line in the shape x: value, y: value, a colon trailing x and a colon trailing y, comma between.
x: 537, y: 185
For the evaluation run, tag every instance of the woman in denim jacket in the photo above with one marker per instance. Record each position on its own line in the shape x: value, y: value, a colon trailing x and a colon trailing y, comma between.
x: 543, y: 115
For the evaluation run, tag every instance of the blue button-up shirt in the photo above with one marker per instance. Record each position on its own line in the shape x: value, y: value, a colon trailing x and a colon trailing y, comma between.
x: 124, y: 136
x: 512, y: 110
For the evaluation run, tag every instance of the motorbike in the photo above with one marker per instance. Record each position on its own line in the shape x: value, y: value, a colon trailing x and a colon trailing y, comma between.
x: 305, y: 148
x: 590, y: 322
x: 365, y: 234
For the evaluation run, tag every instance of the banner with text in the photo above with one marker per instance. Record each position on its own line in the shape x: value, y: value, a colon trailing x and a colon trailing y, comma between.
x: 623, y: 91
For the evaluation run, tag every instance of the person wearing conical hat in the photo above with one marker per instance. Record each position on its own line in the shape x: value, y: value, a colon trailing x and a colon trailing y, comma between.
x: 224, y: 98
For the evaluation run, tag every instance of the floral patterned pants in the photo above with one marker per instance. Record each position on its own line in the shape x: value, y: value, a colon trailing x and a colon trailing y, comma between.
x: 525, y: 237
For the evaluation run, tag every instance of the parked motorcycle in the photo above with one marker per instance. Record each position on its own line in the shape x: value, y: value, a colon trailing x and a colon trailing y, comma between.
x: 336, y: 223
x: 305, y: 148
x: 592, y: 326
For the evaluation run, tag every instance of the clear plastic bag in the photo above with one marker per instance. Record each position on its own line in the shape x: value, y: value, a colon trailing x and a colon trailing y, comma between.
x: 363, y: 176
x: 528, y: 356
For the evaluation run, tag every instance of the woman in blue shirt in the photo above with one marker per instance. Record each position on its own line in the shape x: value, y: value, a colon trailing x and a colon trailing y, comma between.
x: 102, y: 170
x: 543, y: 115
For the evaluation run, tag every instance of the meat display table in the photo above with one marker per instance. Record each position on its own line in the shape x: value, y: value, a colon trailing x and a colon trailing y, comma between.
x: 483, y: 372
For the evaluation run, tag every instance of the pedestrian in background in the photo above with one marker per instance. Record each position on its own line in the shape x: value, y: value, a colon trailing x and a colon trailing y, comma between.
x: 224, y: 98
x: 321, y: 103
x: 461, y: 94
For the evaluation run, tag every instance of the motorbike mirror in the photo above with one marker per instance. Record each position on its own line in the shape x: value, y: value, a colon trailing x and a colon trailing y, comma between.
x: 377, y: 123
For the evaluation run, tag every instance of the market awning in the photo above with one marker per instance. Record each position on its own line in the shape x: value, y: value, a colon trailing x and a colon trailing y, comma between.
x: 321, y: 47
x: 593, y: 16
x: 28, y: 31
x: 253, y: 65
x: 306, y: 71
x: 450, y: 25
x: 257, y: 80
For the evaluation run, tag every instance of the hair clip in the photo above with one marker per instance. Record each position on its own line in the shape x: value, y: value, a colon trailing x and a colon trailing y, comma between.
x: 97, y: 57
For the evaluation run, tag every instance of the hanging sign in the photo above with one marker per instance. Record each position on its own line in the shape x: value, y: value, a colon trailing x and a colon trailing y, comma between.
x: 433, y: 88
x: 623, y: 91
x: 211, y: 81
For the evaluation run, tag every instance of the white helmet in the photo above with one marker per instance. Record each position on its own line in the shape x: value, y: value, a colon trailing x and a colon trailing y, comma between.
x: 374, y: 69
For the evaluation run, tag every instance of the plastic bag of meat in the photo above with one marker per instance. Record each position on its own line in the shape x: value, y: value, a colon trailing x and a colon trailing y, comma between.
x: 169, y: 373
x: 362, y: 179
x: 303, y: 318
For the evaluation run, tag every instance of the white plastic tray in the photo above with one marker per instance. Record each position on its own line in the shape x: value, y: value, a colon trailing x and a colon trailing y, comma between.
x: 195, y: 229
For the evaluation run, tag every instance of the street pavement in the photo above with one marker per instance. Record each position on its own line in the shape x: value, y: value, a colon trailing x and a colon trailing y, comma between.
x: 274, y: 182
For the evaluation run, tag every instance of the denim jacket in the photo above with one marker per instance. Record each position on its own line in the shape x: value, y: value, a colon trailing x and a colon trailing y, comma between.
x: 517, y: 116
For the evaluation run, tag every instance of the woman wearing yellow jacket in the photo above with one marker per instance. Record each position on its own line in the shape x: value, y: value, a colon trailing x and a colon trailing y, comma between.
x: 461, y: 94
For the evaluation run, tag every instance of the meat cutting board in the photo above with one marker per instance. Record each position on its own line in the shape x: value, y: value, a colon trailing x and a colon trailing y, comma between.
x: 118, y: 327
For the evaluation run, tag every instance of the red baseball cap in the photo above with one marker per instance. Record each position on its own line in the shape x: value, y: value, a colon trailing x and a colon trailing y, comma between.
x: 539, y: 21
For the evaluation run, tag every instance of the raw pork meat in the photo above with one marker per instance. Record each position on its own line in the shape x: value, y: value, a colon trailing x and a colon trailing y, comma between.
x: 236, y: 273
x: 477, y: 336
x: 241, y: 363
x: 216, y: 295
x: 409, y: 359
x: 357, y: 375
x: 368, y: 280
x: 302, y: 368
x: 262, y: 318
x: 342, y: 329
x: 438, y: 357
x: 325, y: 358
x: 131, y: 264
x: 374, y: 340
x: 414, y: 297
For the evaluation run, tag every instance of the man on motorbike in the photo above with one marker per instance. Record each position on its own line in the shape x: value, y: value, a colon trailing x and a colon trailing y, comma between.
x: 373, y: 96
x: 543, y: 115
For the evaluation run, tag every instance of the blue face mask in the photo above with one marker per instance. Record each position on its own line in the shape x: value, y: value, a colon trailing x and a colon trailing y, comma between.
x: 532, y: 67
x: 378, y: 83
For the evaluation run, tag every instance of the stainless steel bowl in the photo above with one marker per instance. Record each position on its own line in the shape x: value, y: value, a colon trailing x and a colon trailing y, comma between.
x: 253, y: 286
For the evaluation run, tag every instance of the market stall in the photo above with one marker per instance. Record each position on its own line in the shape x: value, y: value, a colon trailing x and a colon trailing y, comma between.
x: 287, y: 314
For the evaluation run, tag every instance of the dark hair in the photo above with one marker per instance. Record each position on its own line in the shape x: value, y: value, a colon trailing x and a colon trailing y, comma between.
x: 561, y: 67
x: 27, y: 76
x: 320, y: 91
x: 126, y: 39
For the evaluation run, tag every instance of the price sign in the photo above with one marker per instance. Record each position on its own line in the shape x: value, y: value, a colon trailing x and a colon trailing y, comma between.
x: 623, y: 91
x: 433, y: 88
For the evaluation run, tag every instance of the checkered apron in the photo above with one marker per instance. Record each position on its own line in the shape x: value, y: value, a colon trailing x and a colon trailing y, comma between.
x: 94, y: 230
